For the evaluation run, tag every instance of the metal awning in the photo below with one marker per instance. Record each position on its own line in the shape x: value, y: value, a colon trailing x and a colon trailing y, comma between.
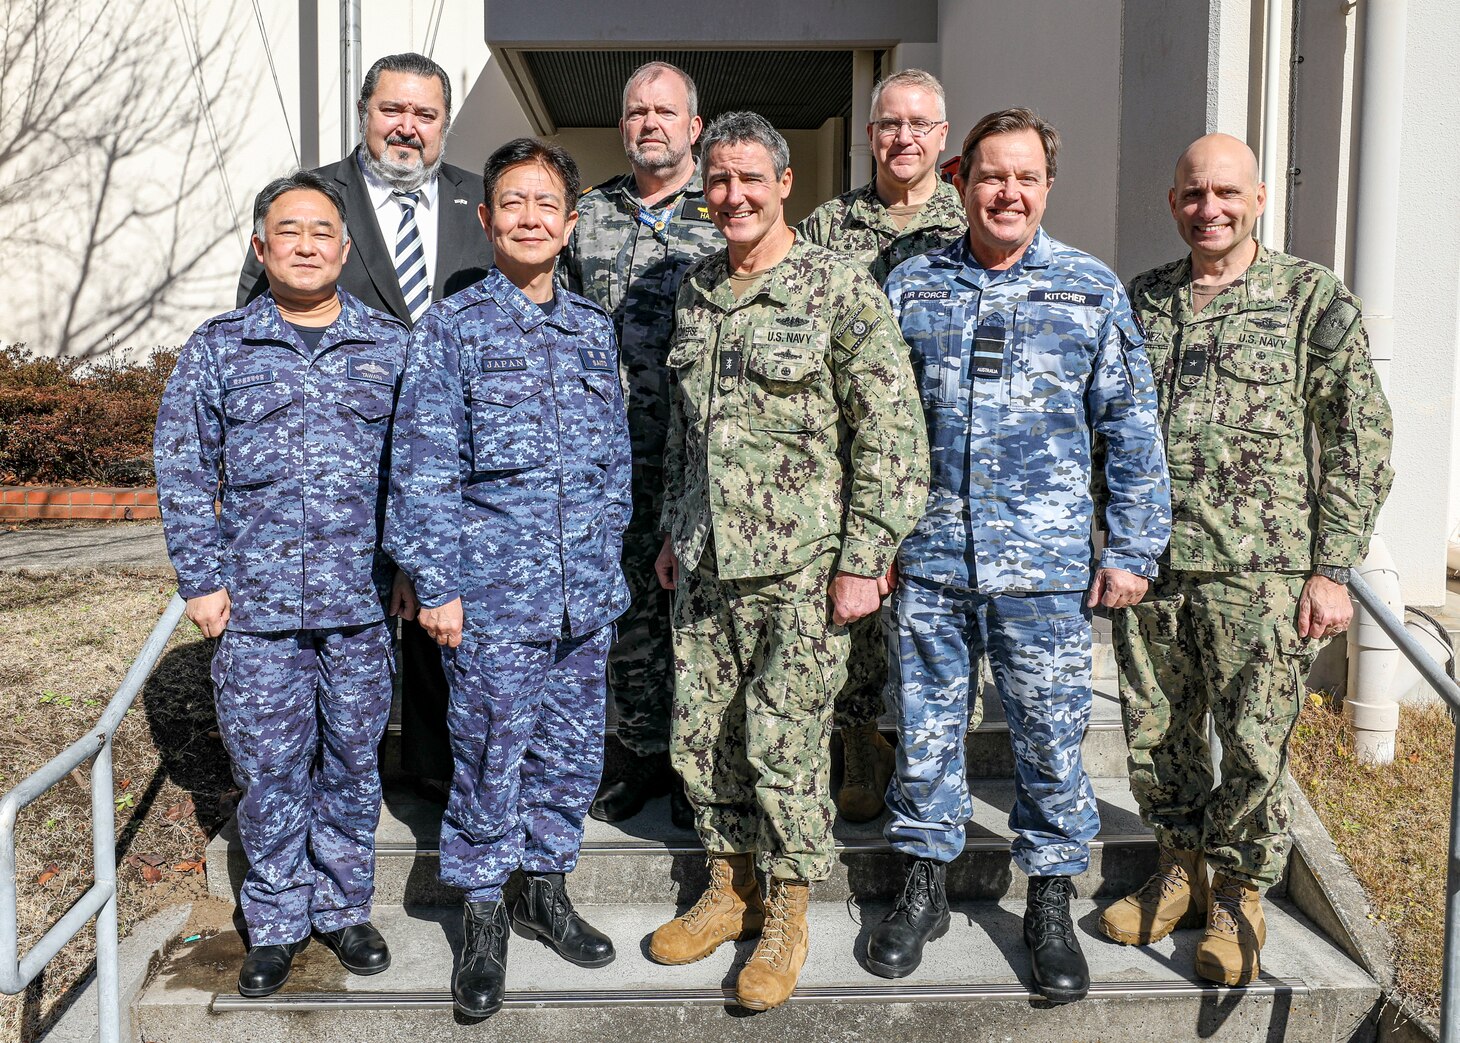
x: 567, y: 61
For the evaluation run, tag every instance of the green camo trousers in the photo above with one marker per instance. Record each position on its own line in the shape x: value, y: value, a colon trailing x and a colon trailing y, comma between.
x: 759, y: 662
x: 1225, y: 643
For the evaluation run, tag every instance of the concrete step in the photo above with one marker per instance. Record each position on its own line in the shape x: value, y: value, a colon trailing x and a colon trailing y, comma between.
x: 647, y: 859
x: 989, y: 754
x: 973, y: 983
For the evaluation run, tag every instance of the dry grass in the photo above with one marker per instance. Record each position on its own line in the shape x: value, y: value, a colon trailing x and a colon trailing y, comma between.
x: 65, y: 643
x: 1392, y: 824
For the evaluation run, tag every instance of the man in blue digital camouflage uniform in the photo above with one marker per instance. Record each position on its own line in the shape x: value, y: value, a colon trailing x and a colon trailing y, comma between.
x: 509, y: 497
x: 281, y: 410
x: 1024, y: 349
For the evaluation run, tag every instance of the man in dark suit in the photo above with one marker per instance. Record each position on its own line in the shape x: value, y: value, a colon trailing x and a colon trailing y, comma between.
x: 416, y: 238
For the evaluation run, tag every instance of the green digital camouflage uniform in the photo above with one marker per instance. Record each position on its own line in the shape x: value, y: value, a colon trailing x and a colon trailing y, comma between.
x: 796, y: 450
x: 857, y: 227
x: 632, y: 270
x: 1274, y: 372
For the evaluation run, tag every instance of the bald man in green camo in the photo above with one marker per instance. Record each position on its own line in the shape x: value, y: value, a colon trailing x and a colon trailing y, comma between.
x: 905, y: 210
x: 1261, y: 366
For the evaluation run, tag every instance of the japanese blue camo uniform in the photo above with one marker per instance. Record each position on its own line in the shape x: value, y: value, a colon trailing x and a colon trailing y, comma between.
x: 1016, y: 369
x: 293, y: 443
x: 510, y: 489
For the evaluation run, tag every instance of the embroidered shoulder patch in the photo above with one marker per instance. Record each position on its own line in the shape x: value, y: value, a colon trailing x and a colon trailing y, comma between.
x: 856, y: 331
x: 372, y: 370
x: 694, y: 210
x: 1333, y: 326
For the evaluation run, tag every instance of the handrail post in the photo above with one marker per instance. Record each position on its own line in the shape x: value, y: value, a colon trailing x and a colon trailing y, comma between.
x: 104, y: 855
x: 1450, y: 968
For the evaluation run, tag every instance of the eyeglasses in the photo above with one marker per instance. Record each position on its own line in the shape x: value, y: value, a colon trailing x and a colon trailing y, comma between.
x: 917, y: 128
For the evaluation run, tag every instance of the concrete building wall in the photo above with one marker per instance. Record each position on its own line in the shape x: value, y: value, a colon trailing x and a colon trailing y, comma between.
x: 1064, y: 62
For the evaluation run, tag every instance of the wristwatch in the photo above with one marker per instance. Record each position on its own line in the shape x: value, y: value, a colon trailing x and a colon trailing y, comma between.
x: 1337, y: 573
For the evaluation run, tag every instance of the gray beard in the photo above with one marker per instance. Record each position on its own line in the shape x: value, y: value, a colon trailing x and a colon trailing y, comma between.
x: 401, y: 176
x: 658, y: 160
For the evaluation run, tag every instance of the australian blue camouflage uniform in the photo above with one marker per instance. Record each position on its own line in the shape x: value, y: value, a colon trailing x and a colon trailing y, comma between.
x: 1272, y: 374
x: 293, y: 443
x: 510, y: 490
x: 857, y: 226
x: 1016, y: 369
x: 795, y: 451
x: 629, y: 260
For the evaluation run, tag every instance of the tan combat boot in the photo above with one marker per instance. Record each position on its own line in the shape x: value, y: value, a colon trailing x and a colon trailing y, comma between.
x: 730, y: 908
x: 867, y: 761
x: 1236, y: 931
x: 1176, y: 895
x: 769, y: 977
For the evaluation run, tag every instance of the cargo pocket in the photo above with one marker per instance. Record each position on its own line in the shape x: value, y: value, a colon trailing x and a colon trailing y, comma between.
x: 782, y: 384
x: 507, y: 421
x: 256, y: 440
x: 1045, y: 377
x: 1256, y: 392
x: 365, y: 409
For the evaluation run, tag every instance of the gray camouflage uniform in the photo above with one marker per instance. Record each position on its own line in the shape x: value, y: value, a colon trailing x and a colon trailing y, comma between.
x: 632, y: 271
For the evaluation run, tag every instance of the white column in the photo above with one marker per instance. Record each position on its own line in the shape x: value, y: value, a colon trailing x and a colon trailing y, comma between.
x: 859, y: 151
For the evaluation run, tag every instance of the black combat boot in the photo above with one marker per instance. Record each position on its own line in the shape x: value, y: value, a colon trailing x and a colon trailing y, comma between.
x: 266, y: 968
x: 895, y: 946
x: 360, y: 948
x: 1060, y: 972
x: 481, y: 976
x: 543, y: 910
x: 635, y: 781
x: 681, y: 812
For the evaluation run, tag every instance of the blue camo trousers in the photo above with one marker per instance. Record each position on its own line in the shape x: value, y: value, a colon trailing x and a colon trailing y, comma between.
x: 1038, y: 646
x: 301, y: 713
x: 526, y: 721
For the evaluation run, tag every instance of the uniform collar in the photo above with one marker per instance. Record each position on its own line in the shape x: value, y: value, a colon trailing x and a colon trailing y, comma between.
x: 1039, y: 254
x: 263, y: 322
x: 526, y: 313
x: 713, y: 279
x: 1255, y: 288
x: 627, y: 190
x: 943, y: 209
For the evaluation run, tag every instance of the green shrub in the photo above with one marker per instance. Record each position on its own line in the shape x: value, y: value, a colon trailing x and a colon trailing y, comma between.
x: 73, y: 422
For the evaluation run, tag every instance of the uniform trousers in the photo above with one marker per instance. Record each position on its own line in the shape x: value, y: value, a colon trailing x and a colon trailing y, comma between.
x: 759, y: 663
x: 1038, y: 647
x: 1225, y: 643
x: 301, y: 713
x: 526, y: 720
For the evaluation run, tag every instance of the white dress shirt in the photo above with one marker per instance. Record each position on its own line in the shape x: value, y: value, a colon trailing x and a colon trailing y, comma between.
x: 387, y: 216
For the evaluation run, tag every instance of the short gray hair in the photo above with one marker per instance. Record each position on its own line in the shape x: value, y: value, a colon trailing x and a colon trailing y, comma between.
x: 300, y: 179
x: 738, y: 128
x: 650, y: 71
x: 916, y: 79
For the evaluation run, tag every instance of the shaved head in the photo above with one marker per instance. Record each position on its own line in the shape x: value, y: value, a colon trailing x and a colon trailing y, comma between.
x: 1216, y: 198
x: 1218, y: 149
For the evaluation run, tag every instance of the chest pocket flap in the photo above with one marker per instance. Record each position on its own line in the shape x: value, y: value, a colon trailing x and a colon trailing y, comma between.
x: 253, y: 402
x: 1256, y: 365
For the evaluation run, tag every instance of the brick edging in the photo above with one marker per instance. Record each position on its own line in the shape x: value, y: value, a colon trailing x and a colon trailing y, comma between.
x: 77, y: 503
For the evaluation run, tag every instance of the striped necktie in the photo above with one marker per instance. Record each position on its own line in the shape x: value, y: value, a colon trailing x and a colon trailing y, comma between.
x: 410, y: 258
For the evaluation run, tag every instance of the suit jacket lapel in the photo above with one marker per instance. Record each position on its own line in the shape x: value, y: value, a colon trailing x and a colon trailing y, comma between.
x: 456, y: 237
x: 369, y: 246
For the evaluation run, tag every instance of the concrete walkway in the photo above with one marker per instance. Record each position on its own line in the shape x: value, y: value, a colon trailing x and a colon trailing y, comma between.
x: 63, y: 548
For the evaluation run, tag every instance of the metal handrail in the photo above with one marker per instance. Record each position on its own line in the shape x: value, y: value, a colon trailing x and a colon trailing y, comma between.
x: 100, y: 900
x: 1435, y: 674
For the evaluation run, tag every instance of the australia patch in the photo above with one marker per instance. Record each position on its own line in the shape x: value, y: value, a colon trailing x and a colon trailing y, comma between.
x: 694, y: 210
x: 248, y: 380
x: 1337, y: 319
x: 373, y: 370
x: 926, y: 295
x: 1082, y: 300
x: 501, y: 365
x: 597, y: 358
